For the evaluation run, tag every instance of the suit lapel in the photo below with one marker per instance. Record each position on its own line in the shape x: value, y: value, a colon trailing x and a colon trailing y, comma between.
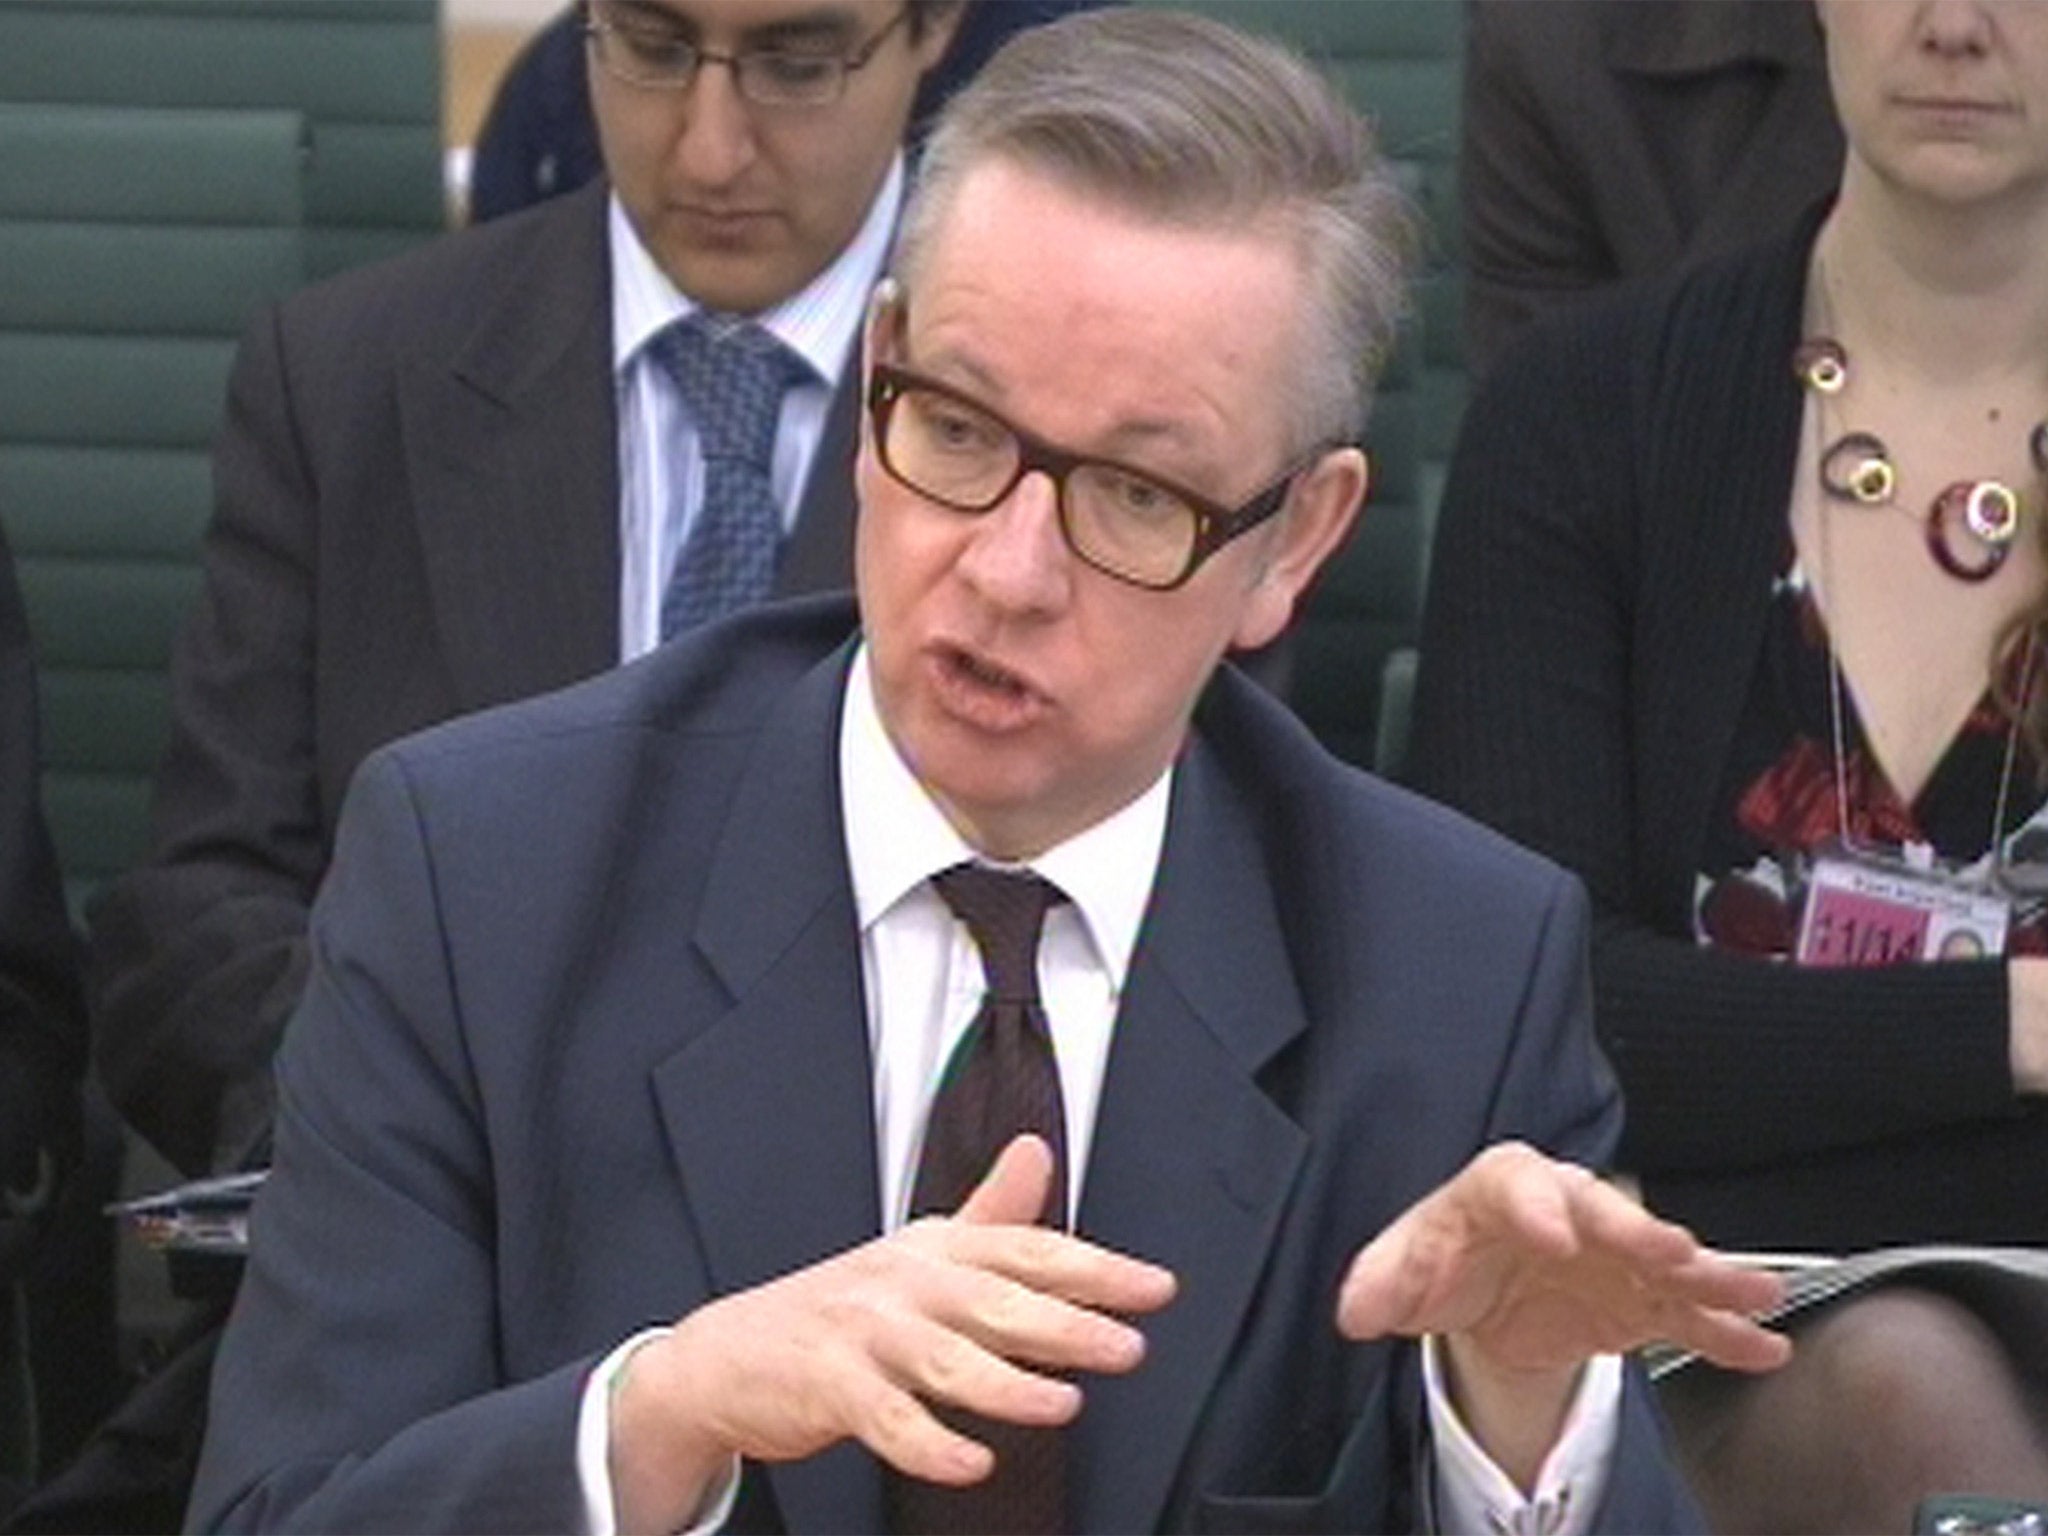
x: 1192, y: 1163
x: 819, y: 554
x: 769, y: 1110
x: 513, y: 460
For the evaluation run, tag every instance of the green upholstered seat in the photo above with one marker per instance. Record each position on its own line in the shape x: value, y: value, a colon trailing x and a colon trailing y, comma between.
x: 1397, y: 706
x: 365, y: 75
x: 136, y: 243
x: 1399, y: 61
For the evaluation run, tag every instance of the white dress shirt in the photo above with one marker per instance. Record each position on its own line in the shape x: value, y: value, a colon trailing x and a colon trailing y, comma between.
x: 661, y: 472
x: 924, y: 985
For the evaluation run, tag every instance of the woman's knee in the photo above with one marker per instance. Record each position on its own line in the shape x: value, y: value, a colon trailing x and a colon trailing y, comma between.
x: 1916, y: 1353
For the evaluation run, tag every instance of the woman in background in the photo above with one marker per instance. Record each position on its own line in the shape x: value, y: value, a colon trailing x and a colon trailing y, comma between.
x: 1737, y: 602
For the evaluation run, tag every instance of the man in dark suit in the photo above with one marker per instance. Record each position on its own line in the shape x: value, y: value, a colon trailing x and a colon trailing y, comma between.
x: 470, y: 475
x: 665, y: 1133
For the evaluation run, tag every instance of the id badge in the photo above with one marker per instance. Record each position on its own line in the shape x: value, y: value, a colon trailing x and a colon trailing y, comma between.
x: 1865, y: 910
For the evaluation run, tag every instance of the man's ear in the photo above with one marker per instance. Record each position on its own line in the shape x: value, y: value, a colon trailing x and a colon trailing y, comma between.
x: 941, y: 22
x: 1320, y: 511
x: 881, y: 332
x: 880, y: 337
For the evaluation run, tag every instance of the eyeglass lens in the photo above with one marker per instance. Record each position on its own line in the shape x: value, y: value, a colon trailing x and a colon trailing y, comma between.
x: 647, y: 51
x: 1115, y: 519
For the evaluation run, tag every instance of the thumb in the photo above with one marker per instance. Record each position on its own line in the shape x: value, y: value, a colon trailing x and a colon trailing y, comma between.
x: 1014, y: 1189
x: 1383, y: 1291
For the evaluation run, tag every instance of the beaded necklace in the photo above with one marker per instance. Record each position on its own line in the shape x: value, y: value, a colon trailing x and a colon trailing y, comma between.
x: 1857, y: 467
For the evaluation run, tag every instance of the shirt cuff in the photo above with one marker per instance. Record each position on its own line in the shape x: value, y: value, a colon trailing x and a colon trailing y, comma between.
x: 593, y: 1453
x: 1475, y: 1496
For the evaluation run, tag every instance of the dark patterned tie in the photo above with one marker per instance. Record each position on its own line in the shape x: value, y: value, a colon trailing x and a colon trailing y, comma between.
x: 1002, y: 1079
x: 732, y: 375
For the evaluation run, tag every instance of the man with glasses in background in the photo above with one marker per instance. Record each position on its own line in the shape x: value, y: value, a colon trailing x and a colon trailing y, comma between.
x: 510, y: 460
x: 482, y: 470
x: 967, y: 1063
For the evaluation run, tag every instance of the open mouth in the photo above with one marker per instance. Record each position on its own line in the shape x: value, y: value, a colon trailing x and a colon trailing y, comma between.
x: 985, y: 692
x: 989, y: 674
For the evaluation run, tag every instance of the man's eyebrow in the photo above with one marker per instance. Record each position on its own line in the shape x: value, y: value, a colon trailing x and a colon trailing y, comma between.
x: 1137, y: 435
x: 652, y: 15
x: 826, y: 25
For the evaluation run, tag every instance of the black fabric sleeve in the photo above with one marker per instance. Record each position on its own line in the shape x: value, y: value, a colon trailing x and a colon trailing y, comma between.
x: 42, y: 1018
x: 199, y: 954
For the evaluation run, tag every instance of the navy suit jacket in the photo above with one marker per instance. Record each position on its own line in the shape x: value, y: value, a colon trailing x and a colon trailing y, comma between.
x: 416, y: 516
x: 584, y: 1045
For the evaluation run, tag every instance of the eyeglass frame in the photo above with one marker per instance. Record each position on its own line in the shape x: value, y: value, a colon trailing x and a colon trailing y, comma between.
x: 1215, y: 524
x: 845, y: 65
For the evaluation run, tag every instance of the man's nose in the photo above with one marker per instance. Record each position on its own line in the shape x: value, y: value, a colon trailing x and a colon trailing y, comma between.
x: 717, y: 139
x: 1016, y: 556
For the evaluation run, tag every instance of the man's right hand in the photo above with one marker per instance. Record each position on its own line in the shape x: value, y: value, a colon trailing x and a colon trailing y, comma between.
x: 969, y: 1310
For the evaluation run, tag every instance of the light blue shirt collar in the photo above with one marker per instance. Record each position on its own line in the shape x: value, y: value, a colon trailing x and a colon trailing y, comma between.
x: 820, y: 322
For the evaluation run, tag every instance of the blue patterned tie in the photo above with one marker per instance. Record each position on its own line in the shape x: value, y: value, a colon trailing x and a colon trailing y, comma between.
x: 732, y: 375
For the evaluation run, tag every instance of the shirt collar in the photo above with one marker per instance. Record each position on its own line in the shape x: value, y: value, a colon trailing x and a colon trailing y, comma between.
x: 820, y: 322
x: 897, y: 838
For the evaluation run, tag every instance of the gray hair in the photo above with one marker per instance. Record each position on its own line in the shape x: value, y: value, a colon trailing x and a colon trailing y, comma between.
x: 1186, y: 120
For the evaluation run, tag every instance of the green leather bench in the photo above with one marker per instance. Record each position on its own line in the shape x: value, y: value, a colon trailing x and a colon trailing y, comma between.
x: 365, y: 74
x: 1399, y: 61
x: 136, y: 243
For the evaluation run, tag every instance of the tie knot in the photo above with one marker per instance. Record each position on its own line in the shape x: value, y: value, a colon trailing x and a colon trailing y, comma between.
x: 732, y: 374
x: 1004, y: 910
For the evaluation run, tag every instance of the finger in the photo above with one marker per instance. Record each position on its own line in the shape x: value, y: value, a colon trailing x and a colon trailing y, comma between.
x: 1016, y: 1185
x: 1021, y: 1323
x: 1060, y: 1264
x: 1388, y: 1286
x: 1607, y: 1219
x: 890, y: 1421
x: 1548, y: 1208
x: 1730, y: 1339
x: 940, y: 1363
x: 1508, y: 1198
x: 1709, y: 1280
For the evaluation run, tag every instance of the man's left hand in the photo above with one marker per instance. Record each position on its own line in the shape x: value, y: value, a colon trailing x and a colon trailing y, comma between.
x: 1528, y: 1267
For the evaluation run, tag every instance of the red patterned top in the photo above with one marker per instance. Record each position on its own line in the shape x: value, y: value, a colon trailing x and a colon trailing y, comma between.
x: 1779, y: 803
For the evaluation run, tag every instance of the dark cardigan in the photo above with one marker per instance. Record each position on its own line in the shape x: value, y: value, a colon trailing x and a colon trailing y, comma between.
x: 1612, y: 523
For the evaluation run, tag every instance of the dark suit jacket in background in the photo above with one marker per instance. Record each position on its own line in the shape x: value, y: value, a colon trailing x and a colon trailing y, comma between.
x: 584, y: 1045
x: 1606, y: 139
x: 42, y: 1058
x: 416, y: 516
x: 42, y: 1016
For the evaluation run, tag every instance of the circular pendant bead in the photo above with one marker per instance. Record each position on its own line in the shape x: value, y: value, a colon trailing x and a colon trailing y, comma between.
x: 1857, y: 468
x: 1992, y: 511
x: 1821, y: 364
x: 1972, y: 501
